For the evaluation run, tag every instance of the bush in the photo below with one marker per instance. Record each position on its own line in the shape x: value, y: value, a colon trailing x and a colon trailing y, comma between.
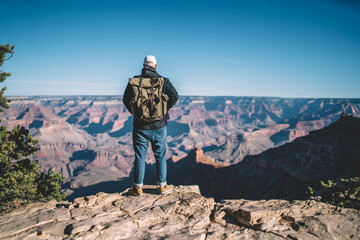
x: 342, y: 193
x: 21, y: 181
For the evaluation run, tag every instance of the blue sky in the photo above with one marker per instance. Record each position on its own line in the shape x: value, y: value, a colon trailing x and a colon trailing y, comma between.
x: 284, y: 48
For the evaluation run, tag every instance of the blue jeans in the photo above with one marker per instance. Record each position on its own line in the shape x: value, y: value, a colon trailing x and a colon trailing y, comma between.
x: 141, y: 140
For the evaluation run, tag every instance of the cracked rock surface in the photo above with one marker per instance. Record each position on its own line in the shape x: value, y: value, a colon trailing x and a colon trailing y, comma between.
x: 182, y: 214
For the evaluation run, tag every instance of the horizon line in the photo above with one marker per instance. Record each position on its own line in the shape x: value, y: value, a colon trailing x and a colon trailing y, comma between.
x: 185, y: 95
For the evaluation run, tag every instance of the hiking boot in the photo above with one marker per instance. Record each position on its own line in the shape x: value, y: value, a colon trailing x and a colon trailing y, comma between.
x: 167, y: 188
x: 135, y: 191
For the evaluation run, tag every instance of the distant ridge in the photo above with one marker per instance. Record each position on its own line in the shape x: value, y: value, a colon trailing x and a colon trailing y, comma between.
x: 285, y: 172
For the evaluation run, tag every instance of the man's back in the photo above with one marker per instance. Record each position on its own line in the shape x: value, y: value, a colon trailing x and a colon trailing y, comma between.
x: 168, y: 89
x: 144, y: 132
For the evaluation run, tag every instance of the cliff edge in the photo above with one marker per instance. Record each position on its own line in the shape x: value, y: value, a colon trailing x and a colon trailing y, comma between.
x: 182, y: 214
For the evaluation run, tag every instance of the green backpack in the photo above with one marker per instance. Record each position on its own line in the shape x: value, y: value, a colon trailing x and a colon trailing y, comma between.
x: 149, y: 103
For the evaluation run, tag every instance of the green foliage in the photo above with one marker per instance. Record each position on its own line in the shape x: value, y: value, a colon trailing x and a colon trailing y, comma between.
x: 5, y: 50
x: 310, y: 191
x: 342, y: 193
x: 21, y: 181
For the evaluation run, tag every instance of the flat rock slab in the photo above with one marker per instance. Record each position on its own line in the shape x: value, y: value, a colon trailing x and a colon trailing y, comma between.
x: 291, y: 220
x: 181, y: 214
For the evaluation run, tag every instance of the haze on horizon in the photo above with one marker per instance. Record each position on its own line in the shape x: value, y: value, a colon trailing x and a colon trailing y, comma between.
x: 228, y: 48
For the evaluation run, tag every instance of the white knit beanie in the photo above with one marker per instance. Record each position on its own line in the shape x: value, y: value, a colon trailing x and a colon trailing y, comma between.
x: 150, y: 61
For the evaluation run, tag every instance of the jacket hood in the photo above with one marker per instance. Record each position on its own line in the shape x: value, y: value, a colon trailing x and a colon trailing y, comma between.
x: 149, y: 72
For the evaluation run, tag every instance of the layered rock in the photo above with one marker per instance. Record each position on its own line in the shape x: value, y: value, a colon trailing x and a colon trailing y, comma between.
x: 284, y: 172
x: 181, y: 214
x: 79, y: 134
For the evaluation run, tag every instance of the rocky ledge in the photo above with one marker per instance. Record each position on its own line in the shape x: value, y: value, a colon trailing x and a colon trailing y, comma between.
x: 182, y: 214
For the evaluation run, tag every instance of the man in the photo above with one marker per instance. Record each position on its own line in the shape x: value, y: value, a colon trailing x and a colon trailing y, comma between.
x: 154, y: 131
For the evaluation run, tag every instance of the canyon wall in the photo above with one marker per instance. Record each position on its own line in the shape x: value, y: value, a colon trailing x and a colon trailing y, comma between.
x: 88, y: 138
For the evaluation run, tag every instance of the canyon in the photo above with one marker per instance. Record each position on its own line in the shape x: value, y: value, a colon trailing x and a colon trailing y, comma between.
x: 283, y: 172
x: 88, y: 138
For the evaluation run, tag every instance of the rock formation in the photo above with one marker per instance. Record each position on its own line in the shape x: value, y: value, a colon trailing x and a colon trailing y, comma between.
x: 283, y: 172
x: 85, y: 136
x: 182, y: 214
